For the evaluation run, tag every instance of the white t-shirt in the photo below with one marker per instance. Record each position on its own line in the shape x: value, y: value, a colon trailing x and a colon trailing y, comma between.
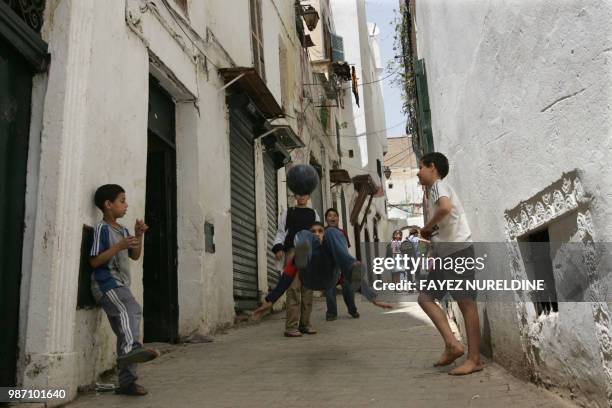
x: 454, y: 227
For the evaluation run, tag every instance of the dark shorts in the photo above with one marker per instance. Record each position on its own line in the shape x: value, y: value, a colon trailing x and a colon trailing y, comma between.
x: 446, y: 274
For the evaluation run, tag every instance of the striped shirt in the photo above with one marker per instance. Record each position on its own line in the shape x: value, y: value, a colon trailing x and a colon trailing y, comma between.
x: 116, y: 272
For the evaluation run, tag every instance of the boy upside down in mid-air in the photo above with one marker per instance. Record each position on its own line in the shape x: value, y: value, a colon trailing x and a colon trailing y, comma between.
x: 320, y: 256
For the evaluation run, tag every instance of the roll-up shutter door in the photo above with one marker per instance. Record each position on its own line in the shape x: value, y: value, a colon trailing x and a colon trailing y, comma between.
x: 244, y: 232
x: 272, y: 210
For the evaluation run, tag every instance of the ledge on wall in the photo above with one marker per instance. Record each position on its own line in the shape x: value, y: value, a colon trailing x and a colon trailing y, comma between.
x: 250, y: 82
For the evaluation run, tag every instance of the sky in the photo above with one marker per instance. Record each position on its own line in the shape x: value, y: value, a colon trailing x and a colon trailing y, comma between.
x: 383, y: 12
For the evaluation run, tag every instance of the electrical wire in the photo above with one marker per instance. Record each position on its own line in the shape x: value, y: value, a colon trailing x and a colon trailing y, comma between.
x: 408, y: 151
x: 373, y: 132
x: 360, y: 84
x: 176, y: 20
x: 395, y: 155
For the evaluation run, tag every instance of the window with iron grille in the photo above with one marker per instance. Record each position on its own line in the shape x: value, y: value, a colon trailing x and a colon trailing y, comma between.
x: 30, y: 11
x: 257, y: 38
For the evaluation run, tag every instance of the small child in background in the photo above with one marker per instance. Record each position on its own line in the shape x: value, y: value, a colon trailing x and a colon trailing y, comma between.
x: 348, y: 294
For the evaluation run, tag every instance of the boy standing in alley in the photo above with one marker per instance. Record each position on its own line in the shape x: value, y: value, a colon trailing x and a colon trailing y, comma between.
x: 111, y: 250
x: 333, y: 220
x: 299, y: 298
x: 451, y: 237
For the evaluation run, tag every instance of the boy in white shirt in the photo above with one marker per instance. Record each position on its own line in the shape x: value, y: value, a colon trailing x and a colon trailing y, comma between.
x: 450, y: 234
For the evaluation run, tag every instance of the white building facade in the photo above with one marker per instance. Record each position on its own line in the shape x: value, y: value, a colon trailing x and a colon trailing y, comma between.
x: 404, y: 192
x: 519, y: 97
x: 363, y: 136
x: 194, y: 109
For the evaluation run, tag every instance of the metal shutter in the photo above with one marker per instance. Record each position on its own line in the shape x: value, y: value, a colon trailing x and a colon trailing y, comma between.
x: 272, y: 211
x: 244, y: 233
x: 337, y: 45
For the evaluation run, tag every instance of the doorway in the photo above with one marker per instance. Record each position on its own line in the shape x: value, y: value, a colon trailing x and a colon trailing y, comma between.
x: 15, y: 102
x: 160, y: 282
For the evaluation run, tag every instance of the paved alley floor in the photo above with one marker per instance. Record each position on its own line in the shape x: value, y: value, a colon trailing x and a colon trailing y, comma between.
x: 383, y: 359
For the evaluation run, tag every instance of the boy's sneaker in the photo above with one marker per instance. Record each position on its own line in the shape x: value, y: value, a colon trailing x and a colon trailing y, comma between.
x: 330, y: 317
x: 355, y: 314
x: 132, y: 389
x: 300, y: 258
x: 137, y: 355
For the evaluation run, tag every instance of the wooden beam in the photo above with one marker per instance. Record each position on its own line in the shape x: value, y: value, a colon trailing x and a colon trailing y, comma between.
x: 361, y: 196
x: 365, y: 215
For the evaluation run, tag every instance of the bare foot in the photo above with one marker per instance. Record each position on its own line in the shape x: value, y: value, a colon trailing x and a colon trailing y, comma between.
x: 450, y: 354
x: 468, y: 367
x: 258, y: 313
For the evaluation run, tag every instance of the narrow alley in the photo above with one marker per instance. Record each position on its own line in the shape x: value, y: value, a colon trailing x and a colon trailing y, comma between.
x: 169, y: 168
x: 379, y: 360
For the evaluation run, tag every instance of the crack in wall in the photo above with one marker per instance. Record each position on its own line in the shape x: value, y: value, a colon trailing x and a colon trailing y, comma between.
x: 548, y: 107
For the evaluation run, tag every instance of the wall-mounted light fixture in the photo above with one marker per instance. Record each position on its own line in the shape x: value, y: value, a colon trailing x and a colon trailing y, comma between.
x: 387, y: 172
x: 310, y: 16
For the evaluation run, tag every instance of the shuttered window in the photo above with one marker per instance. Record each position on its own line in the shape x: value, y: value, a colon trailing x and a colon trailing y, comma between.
x: 337, y: 45
x: 257, y: 38
x: 424, y: 110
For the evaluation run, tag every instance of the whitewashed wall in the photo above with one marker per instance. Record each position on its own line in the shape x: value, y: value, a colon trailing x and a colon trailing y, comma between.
x: 94, y: 103
x: 520, y: 94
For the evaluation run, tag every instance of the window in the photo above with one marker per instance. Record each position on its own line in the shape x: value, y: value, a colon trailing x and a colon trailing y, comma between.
x: 351, y: 154
x: 284, y: 68
x: 30, y: 11
x: 337, y: 45
x: 538, y: 265
x: 182, y: 4
x: 425, y: 137
x: 257, y: 38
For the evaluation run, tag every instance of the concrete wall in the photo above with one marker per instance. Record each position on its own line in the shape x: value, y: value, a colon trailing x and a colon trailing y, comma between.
x: 520, y: 96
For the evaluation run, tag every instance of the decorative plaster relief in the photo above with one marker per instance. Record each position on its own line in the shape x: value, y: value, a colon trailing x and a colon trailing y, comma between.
x: 559, y: 199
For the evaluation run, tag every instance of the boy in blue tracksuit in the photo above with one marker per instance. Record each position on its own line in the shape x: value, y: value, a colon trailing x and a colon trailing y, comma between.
x: 112, y: 248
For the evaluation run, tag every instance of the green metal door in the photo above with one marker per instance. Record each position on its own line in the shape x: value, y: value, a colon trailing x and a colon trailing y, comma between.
x: 15, y: 102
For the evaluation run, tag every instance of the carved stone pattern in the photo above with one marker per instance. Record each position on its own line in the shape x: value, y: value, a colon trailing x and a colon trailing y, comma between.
x: 548, y: 206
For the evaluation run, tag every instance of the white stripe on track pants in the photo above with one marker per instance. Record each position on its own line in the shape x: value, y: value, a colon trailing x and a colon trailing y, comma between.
x: 124, y: 315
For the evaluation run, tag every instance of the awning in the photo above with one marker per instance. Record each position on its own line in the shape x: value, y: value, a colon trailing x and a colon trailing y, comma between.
x: 365, y: 181
x: 365, y: 186
x: 339, y: 176
x: 249, y: 81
